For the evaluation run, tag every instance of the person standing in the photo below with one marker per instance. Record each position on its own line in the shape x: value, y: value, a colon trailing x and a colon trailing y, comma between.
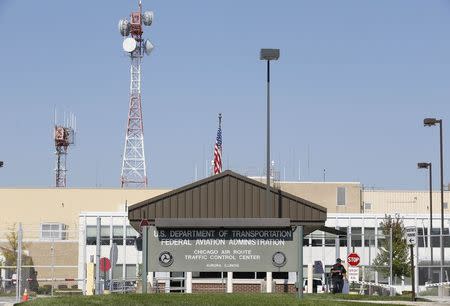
x: 337, y: 276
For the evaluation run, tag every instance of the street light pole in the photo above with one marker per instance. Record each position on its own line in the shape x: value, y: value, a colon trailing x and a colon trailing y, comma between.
x: 268, y: 142
x: 268, y: 55
x: 432, y: 122
x: 442, y: 201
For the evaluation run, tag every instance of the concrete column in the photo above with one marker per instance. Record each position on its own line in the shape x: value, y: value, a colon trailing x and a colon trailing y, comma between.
x: 188, y: 282
x: 269, y: 282
x: 310, y: 278
x: 229, y: 282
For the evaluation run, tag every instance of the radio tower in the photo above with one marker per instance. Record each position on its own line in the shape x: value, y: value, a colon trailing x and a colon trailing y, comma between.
x: 134, y: 172
x: 64, y: 136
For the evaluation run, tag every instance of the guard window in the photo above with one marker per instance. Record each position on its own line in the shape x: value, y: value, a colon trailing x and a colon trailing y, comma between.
x: 367, y: 206
x: 104, y: 235
x: 340, y: 196
x: 369, y: 236
x: 445, y: 205
x: 131, y: 235
x: 53, y: 231
x: 91, y: 235
x: 356, y: 236
x: 118, y: 235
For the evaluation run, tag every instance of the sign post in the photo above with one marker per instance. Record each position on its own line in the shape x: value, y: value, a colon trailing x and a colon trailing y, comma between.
x: 144, y: 257
x: 413, y: 297
x: 353, y: 260
x: 300, y: 262
x: 411, y: 240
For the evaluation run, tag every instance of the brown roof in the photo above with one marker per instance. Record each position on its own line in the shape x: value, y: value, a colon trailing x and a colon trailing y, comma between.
x: 225, y: 196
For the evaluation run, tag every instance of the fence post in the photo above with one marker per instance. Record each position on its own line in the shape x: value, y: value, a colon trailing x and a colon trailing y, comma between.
x: 84, y: 237
x: 391, y: 250
x: 97, y: 258
x: 19, y: 263
x: 52, y: 254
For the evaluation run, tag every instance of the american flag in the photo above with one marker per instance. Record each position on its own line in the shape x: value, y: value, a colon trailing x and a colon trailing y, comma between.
x: 218, y: 149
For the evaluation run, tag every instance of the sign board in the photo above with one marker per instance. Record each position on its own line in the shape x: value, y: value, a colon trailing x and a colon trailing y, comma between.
x: 105, y: 264
x: 114, y: 254
x: 353, y: 274
x: 411, y: 238
x: 353, y: 259
x: 218, y: 249
x: 318, y: 267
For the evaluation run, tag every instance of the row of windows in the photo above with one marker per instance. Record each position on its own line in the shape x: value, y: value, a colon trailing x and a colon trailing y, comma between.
x: 368, y: 205
x: 369, y: 238
x: 117, y: 235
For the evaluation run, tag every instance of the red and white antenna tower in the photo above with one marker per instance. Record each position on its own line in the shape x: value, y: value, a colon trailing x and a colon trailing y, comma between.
x: 64, y: 136
x: 134, y: 173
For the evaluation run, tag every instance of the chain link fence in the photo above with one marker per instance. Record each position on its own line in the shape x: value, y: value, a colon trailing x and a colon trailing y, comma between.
x: 42, y: 261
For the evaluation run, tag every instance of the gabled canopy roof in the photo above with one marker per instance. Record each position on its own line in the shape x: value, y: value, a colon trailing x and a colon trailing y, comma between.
x: 227, y: 196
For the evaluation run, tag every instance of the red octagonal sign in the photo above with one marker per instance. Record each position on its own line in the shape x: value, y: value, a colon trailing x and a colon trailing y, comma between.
x: 105, y: 264
x: 353, y: 259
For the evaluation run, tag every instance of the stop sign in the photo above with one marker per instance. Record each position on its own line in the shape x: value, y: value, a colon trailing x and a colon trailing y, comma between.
x: 105, y: 264
x: 353, y: 259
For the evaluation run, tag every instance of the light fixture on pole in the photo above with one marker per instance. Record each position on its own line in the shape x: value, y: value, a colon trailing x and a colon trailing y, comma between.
x: 433, y: 122
x: 428, y: 166
x: 268, y: 55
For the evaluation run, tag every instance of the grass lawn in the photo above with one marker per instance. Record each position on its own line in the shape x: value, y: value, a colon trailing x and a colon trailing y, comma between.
x: 202, y: 299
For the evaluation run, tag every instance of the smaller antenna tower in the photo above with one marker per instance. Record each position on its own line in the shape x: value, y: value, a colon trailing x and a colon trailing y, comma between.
x: 64, y: 136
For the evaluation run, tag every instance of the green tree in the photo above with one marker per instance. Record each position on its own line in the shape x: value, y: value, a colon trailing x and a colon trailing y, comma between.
x: 10, y: 258
x: 400, y: 257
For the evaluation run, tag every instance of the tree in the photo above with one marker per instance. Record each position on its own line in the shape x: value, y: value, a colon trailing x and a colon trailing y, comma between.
x: 400, y: 258
x: 10, y: 258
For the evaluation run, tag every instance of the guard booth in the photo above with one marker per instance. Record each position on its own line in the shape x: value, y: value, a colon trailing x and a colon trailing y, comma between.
x: 219, y: 235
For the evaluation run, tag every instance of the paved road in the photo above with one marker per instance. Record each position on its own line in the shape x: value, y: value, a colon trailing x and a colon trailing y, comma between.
x: 7, y: 300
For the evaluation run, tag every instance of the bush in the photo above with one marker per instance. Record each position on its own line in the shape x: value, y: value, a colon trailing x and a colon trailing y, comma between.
x: 46, y: 289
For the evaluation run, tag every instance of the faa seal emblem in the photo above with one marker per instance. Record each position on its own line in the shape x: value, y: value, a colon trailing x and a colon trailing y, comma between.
x: 279, y: 259
x: 165, y: 259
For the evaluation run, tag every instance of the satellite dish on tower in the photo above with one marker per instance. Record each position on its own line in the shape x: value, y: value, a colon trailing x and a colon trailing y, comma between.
x: 129, y: 44
x: 148, y: 47
x: 124, y: 27
x: 147, y: 18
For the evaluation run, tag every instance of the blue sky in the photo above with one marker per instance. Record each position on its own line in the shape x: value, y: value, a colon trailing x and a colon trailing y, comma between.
x: 353, y: 84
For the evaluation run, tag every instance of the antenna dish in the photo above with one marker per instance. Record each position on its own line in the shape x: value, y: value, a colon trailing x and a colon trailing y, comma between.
x: 124, y: 27
x: 129, y: 44
x: 148, y: 47
x: 147, y: 18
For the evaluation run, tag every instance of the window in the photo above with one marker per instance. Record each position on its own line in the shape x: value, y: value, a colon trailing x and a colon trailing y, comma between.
x: 131, y: 235
x: 340, y: 196
x: 118, y: 235
x: 356, y: 236
x: 367, y: 206
x: 91, y: 235
x: 369, y: 236
x: 53, y: 231
x: 445, y: 205
x: 104, y: 235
